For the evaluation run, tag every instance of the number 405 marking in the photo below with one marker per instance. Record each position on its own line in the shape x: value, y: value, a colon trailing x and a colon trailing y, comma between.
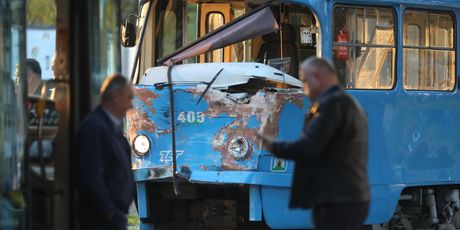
x: 191, y: 117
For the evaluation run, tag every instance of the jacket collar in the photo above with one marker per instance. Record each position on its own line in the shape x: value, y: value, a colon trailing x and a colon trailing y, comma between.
x: 115, y: 120
x: 106, y: 118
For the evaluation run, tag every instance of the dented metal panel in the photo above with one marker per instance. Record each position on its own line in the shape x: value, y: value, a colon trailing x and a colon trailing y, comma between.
x: 261, y: 113
x: 232, y: 74
x: 204, y: 130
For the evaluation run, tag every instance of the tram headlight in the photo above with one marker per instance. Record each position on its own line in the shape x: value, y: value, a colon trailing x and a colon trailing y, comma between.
x: 141, y: 145
x: 238, y: 148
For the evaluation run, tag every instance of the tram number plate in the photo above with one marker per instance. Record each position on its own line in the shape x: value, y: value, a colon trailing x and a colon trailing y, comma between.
x: 191, y: 117
x: 167, y: 156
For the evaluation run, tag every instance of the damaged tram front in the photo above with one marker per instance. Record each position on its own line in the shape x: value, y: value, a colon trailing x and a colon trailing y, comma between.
x: 210, y: 73
x: 195, y: 115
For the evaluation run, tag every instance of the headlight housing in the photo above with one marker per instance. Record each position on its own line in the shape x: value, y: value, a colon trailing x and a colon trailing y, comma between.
x: 141, y: 145
x: 238, y: 148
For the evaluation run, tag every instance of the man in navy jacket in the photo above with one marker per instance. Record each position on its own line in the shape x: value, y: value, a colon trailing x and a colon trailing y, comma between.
x: 104, y: 178
x: 330, y: 174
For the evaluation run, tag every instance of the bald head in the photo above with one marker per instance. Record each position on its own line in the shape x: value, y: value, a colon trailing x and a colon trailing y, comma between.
x: 318, y: 75
x: 321, y: 66
x: 112, y: 84
x: 116, y: 94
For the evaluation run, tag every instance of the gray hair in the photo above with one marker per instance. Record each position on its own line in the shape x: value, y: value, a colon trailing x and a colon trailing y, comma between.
x: 113, y: 83
x: 318, y: 63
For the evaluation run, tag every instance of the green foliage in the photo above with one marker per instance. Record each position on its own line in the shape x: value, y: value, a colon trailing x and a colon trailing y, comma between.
x: 17, y: 199
x: 41, y: 13
x: 133, y: 220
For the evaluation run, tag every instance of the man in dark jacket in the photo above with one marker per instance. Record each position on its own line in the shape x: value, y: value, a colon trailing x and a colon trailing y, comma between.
x: 330, y: 174
x: 104, y: 177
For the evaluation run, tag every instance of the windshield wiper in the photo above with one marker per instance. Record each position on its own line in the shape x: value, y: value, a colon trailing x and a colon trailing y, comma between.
x: 209, y: 86
x: 161, y: 85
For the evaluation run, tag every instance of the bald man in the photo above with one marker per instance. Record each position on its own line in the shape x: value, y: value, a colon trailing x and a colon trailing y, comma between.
x: 105, y: 182
x: 330, y: 173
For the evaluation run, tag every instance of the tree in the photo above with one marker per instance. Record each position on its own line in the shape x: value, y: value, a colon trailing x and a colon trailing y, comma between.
x: 41, y: 13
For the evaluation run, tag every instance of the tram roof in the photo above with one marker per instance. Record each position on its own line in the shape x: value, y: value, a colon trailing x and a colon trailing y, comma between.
x: 440, y: 3
x: 412, y: 3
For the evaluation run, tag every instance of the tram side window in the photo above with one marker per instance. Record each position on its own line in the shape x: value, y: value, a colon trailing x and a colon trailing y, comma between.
x: 428, y: 51
x: 364, y: 47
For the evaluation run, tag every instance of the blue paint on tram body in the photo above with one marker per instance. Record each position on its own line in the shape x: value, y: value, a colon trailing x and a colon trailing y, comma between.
x: 413, y: 134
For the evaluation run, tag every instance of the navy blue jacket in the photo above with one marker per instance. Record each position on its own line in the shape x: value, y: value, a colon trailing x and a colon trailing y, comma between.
x: 104, y: 177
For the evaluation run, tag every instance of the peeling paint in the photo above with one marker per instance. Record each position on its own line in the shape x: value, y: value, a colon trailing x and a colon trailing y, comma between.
x: 260, y: 113
x: 145, y: 95
x: 265, y: 106
x: 139, y: 121
x: 138, y: 117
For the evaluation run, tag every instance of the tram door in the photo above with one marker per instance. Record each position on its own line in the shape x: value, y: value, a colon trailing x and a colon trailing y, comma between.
x: 212, y: 17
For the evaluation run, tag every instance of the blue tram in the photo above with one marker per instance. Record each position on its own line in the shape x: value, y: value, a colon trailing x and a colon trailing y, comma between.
x: 209, y: 74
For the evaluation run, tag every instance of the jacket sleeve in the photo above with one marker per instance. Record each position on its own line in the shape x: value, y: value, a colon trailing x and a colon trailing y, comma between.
x: 91, y: 165
x: 315, y: 137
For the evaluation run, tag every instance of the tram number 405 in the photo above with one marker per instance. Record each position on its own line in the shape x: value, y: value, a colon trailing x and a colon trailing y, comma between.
x: 191, y: 117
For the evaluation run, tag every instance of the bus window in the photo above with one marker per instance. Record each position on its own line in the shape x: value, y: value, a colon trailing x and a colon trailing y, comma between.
x: 428, y: 51
x: 364, y: 47
x: 213, y: 21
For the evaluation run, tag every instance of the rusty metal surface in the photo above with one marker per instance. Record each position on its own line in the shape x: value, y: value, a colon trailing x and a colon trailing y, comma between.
x: 204, y: 130
x: 261, y: 113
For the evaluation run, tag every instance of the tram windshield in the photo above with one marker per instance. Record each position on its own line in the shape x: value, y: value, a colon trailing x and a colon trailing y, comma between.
x: 261, y: 21
x: 183, y: 32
